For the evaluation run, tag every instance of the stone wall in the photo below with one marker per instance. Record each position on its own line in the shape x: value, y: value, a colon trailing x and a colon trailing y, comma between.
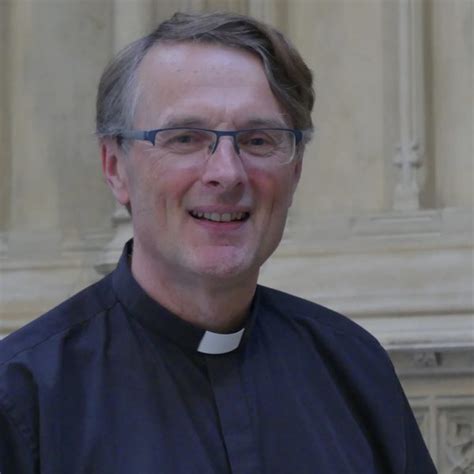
x: 381, y: 228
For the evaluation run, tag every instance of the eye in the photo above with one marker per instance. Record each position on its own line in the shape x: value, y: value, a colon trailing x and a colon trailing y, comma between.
x: 186, y: 138
x: 183, y: 141
x: 258, y: 142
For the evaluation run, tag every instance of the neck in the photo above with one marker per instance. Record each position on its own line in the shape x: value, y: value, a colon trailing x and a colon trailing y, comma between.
x: 213, y: 303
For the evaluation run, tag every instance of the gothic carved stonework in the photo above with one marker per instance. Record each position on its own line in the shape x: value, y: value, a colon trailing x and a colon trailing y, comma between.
x: 457, y: 439
x: 442, y: 362
x: 425, y: 359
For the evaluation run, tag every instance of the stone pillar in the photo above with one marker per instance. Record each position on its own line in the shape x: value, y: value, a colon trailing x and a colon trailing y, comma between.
x: 411, y: 105
x: 33, y: 213
x: 54, y: 49
x: 4, y: 121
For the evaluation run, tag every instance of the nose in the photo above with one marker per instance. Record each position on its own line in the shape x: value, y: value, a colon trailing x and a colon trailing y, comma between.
x: 224, y: 167
x: 231, y: 135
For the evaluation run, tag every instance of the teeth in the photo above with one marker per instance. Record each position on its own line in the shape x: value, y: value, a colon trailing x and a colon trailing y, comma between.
x: 216, y: 217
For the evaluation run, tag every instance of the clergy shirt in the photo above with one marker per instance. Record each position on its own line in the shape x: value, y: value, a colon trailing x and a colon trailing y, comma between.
x: 110, y: 382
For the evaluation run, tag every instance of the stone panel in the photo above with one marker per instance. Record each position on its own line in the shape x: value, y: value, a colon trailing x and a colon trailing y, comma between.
x: 453, y: 97
x: 344, y: 167
x: 57, y: 54
x: 456, y: 439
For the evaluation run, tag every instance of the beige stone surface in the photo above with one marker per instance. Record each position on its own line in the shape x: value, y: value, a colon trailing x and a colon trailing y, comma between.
x: 344, y: 167
x: 58, y: 51
x: 4, y: 120
x: 131, y: 20
x: 453, y: 102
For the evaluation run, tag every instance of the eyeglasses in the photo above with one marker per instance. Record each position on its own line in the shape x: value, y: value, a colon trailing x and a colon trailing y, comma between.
x: 262, y: 145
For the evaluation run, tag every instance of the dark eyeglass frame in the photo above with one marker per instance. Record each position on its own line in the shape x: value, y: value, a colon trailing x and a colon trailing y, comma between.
x: 150, y: 135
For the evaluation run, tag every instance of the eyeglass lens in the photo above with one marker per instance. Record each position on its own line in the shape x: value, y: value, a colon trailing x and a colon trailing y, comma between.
x: 278, y: 145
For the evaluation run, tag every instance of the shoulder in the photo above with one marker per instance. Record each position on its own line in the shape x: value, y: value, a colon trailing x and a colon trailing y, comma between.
x: 337, y: 339
x: 304, y: 312
x: 35, y: 358
x: 76, y: 310
x: 326, y: 339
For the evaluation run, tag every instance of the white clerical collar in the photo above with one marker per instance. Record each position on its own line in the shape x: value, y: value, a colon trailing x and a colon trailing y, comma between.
x: 216, y: 343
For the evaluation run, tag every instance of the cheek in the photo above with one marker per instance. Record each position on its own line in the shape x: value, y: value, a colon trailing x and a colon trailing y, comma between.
x: 166, y: 187
x: 143, y: 185
x: 274, y: 191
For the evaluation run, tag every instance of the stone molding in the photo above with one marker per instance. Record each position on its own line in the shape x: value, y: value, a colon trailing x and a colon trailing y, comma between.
x: 441, y: 362
x: 382, y: 265
x: 412, y: 289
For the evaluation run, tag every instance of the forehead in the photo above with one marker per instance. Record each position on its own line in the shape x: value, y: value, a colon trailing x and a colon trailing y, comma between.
x: 216, y: 82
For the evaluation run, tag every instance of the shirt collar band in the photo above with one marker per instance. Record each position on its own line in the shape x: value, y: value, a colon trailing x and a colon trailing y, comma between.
x: 216, y: 343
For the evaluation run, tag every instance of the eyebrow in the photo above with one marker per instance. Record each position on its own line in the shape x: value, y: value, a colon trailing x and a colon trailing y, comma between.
x: 189, y: 121
x: 264, y: 123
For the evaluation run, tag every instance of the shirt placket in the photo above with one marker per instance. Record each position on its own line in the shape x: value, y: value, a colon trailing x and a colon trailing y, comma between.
x: 234, y: 414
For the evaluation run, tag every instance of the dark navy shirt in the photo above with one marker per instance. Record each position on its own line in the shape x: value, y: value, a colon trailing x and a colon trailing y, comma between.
x: 110, y: 382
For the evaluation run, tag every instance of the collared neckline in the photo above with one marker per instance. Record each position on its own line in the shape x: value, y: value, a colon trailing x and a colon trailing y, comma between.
x: 163, y: 322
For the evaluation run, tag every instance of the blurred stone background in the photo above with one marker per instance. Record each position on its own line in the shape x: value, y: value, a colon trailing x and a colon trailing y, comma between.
x: 382, y: 226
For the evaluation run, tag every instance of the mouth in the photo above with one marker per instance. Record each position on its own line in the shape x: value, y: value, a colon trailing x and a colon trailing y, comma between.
x: 220, y: 217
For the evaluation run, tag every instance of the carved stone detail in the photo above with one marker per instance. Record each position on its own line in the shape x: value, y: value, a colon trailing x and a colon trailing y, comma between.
x: 456, y: 431
x: 426, y: 359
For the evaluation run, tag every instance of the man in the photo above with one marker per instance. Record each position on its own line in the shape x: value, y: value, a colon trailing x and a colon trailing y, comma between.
x: 178, y: 362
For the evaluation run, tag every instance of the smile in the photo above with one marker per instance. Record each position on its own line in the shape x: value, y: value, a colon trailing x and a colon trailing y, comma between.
x: 217, y: 217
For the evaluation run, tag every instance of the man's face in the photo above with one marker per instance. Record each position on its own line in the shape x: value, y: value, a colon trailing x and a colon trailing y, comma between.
x: 211, y: 87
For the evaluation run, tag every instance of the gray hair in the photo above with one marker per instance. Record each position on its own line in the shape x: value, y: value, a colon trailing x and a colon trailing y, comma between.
x: 289, y: 78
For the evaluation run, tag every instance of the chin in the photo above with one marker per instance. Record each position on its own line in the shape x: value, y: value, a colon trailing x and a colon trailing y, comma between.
x: 225, y: 270
x: 225, y: 267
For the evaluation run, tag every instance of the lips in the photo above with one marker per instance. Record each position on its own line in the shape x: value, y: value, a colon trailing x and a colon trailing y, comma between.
x: 220, y: 217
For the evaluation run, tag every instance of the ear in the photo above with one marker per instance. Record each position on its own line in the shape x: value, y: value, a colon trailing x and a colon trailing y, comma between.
x: 298, y: 166
x: 113, y: 169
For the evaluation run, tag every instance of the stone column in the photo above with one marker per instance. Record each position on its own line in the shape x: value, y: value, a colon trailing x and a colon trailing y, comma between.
x: 411, y: 102
x: 4, y: 120
x: 33, y: 213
